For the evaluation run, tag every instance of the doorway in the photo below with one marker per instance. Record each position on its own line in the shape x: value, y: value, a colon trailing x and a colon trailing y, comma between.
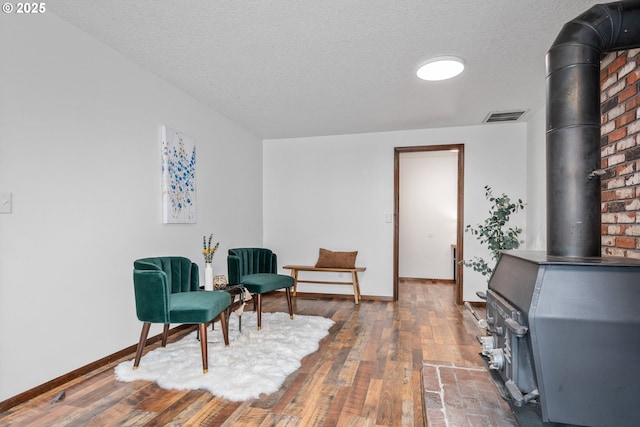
x: 446, y: 250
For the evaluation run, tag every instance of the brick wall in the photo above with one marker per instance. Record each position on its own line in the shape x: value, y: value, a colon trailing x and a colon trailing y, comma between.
x: 620, y: 145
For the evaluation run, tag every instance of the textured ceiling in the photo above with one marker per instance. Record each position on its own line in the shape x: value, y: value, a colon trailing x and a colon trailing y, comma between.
x: 305, y: 68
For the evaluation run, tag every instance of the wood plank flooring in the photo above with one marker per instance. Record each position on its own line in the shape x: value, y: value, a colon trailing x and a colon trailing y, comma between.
x: 367, y: 372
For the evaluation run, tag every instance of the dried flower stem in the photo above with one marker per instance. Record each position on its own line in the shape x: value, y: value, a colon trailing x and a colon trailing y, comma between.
x: 207, y: 250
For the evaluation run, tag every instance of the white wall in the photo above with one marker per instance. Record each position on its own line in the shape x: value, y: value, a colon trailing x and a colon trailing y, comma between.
x: 536, y: 183
x: 80, y: 152
x: 428, y: 214
x: 336, y: 192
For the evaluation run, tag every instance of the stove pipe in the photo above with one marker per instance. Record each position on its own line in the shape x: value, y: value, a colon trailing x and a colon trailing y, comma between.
x: 573, y: 123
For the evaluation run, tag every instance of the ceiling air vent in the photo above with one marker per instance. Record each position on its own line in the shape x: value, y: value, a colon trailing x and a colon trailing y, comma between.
x: 504, y: 116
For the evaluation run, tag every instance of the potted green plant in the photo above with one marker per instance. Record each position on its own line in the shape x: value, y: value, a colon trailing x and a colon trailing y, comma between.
x: 494, y: 232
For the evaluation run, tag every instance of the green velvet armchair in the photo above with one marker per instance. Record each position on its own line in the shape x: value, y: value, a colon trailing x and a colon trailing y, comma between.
x: 256, y: 269
x: 167, y: 290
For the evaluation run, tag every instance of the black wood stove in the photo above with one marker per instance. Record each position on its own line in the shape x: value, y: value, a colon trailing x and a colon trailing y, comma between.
x: 564, y: 334
x: 563, y: 326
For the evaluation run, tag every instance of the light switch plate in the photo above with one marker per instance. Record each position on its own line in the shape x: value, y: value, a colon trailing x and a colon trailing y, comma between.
x: 5, y: 202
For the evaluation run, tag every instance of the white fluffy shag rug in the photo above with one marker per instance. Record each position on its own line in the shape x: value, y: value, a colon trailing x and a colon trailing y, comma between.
x: 255, y: 362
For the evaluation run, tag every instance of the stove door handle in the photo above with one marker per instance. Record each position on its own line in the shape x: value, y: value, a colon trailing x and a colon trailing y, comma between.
x: 516, y: 328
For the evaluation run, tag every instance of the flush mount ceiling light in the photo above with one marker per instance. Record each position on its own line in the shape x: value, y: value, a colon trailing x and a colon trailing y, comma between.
x: 440, y: 68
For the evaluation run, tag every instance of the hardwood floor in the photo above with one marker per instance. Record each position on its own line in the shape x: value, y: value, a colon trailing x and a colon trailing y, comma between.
x: 367, y: 372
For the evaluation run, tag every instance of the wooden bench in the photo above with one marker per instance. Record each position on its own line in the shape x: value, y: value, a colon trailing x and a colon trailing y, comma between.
x: 354, y: 277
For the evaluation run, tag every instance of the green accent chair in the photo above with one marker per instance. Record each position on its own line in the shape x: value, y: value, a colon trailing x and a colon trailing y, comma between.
x: 256, y: 269
x: 167, y: 290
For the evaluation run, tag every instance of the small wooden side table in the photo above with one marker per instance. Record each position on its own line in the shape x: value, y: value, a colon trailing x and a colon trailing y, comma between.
x: 239, y: 291
x: 233, y: 290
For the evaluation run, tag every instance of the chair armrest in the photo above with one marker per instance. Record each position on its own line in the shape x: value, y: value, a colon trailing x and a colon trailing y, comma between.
x: 152, y: 295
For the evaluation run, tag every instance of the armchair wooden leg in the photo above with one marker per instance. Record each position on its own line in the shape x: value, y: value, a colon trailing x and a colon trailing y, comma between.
x: 289, y: 303
x: 141, y: 344
x: 258, y: 303
x: 203, y: 346
x: 225, y: 327
x: 165, y: 334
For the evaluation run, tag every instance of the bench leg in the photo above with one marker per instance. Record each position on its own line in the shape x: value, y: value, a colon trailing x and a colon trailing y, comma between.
x: 356, y: 286
x: 294, y: 274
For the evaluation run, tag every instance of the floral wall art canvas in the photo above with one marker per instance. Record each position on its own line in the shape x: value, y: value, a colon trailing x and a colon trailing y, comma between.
x: 178, y: 177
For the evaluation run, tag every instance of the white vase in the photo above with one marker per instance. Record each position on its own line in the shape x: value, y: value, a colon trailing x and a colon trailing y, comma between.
x: 208, y: 277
